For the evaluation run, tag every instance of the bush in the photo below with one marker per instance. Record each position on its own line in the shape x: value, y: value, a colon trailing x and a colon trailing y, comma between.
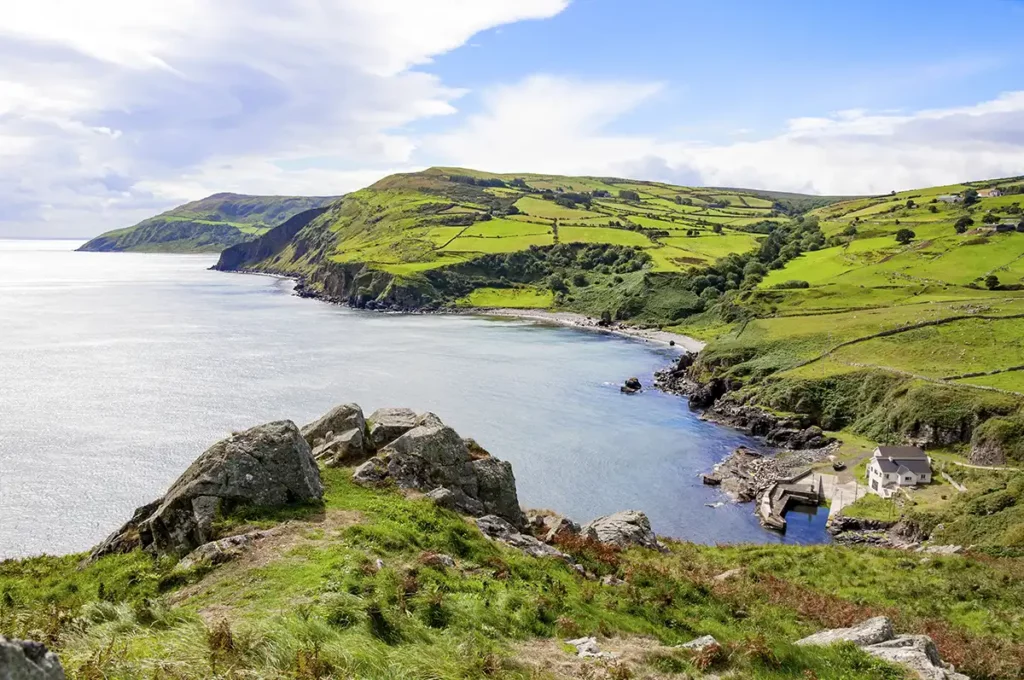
x: 786, y: 285
x: 905, y: 236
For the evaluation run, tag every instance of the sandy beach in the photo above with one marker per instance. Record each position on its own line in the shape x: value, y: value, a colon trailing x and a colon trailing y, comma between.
x: 584, y: 322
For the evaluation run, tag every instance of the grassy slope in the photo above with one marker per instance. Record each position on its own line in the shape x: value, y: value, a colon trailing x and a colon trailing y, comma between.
x: 310, y: 603
x: 207, y: 225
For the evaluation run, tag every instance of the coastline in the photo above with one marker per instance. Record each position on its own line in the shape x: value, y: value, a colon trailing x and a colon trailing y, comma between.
x: 584, y: 322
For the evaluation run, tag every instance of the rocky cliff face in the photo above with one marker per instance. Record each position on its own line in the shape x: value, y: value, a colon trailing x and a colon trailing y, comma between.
x: 248, y: 254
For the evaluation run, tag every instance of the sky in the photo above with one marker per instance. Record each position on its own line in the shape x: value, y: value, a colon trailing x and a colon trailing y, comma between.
x: 114, y: 110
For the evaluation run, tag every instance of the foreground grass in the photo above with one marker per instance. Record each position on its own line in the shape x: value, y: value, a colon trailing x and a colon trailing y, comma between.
x: 320, y: 605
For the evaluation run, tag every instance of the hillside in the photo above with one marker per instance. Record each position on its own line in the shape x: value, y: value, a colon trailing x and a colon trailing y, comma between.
x: 207, y: 225
x: 370, y: 578
x: 455, y: 236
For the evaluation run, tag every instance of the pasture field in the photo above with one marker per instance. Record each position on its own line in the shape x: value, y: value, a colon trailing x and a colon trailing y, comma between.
x: 513, y: 298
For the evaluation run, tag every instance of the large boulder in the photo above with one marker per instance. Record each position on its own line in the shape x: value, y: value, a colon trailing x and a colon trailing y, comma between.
x: 623, y: 529
x: 872, y: 631
x: 339, y: 419
x: 269, y: 465
x: 877, y: 637
x: 347, y: 448
x: 432, y: 457
x: 27, y: 660
x: 388, y: 424
x: 498, y: 529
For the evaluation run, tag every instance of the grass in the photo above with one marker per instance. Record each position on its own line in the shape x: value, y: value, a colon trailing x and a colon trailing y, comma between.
x: 517, y: 298
x: 318, y: 606
x: 602, y: 235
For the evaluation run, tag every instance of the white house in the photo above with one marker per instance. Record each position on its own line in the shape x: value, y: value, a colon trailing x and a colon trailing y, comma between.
x: 951, y: 198
x: 892, y: 467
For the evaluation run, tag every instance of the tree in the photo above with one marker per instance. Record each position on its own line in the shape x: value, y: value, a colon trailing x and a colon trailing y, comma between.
x: 933, y: 209
x: 990, y: 218
x: 910, y: 203
x: 627, y: 195
x: 970, y: 197
x: 991, y: 281
x: 905, y: 236
x: 717, y: 228
x: 850, y: 231
x: 963, y: 224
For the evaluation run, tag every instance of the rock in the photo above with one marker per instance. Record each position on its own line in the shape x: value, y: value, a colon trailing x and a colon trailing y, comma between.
x: 916, y: 652
x: 344, y: 449
x: 438, y: 560
x: 611, y: 580
x: 27, y: 660
x: 560, y: 527
x: 373, y: 472
x: 941, y: 549
x: 269, y: 465
x: 623, y: 529
x: 339, y: 419
x: 442, y: 497
x: 588, y: 648
x: 631, y: 386
x: 432, y: 457
x: 872, y: 631
x: 218, y: 552
x: 700, y: 644
x: 388, y: 424
x: 728, y: 575
x: 711, y: 480
x: 498, y: 529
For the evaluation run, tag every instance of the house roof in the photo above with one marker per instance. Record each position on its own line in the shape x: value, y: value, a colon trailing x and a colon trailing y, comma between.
x: 886, y: 465
x: 919, y: 466
x: 901, y: 452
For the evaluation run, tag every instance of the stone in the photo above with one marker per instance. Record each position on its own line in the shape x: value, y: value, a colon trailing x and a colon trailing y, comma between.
x: 269, y: 465
x: 872, y: 631
x: 623, y: 529
x: 388, y: 424
x: 339, y: 419
x: 587, y: 648
x: 498, y: 529
x: 917, y: 653
x: 728, y: 575
x: 433, y: 458
x: 438, y: 560
x: 373, y: 472
x: 612, y: 580
x: 442, y: 497
x: 700, y: 644
x: 219, y: 552
x: 28, y: 660
x: 347, y: 448
x: 941, y: 549
x: 559, y: 527
x: 631, y: 386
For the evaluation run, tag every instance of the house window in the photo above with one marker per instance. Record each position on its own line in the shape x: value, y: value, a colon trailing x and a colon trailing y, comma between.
x: 874, y: 484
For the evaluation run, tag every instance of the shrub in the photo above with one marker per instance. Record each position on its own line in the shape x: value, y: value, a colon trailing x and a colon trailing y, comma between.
x: 786, y: 285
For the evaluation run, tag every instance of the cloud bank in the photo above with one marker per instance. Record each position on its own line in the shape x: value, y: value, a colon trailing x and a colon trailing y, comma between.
x: 115, y: 109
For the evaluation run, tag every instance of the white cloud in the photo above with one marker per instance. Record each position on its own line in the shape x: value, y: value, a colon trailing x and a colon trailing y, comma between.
x: 111, y: 108
x: 559, y: 125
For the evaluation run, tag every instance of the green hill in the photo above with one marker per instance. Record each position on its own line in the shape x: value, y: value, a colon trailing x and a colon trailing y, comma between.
x: 457, y: 236
x: 208, y: 225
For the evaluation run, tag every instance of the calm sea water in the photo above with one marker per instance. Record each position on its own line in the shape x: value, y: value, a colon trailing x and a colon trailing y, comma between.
x: 117, y: 370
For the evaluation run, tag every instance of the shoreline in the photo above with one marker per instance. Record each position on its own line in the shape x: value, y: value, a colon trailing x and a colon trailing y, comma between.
x: 584, y: 322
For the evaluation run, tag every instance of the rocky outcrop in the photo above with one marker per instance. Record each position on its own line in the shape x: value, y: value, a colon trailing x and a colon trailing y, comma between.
x: 876, y: 636
x: 388, y: 424
x: 269, y: 465
x: 343, y: 418
x: 550, y: 526
x: 631, y: 386
x: 269, y: 244
x: 498, y: 529
x: 219, y: 552
x: 27, y: 660
x: 623, y: 529
x: 429, y: 456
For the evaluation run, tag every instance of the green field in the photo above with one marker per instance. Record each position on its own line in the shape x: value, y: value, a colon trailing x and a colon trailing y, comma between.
x: 514, y: 298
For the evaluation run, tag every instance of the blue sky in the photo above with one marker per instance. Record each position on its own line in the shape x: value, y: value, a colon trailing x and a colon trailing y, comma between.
x: 113, y: 110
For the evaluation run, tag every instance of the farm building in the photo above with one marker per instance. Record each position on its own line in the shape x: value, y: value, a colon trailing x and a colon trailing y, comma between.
x: 950, y: 198
x: 893, y: 467
x: 990, y: 193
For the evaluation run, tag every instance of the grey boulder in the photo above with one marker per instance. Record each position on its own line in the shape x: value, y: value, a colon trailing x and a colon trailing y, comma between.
x: 27, y: 660
x: 872, y: 631
x: 388, y: 424
x: 623, y: 529
x: 269, y: 465
x: 219, y: 552
x: 339, y: 419
x: 433, y: 458
x: 347, y: 448
x: 498, y: 529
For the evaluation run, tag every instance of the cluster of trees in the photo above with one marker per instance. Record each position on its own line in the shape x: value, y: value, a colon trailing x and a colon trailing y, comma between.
x: 477, y: 181
x: 568, y: 199
x: 682, y: 200
x: 627, y: 195
x: 963, y: 224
